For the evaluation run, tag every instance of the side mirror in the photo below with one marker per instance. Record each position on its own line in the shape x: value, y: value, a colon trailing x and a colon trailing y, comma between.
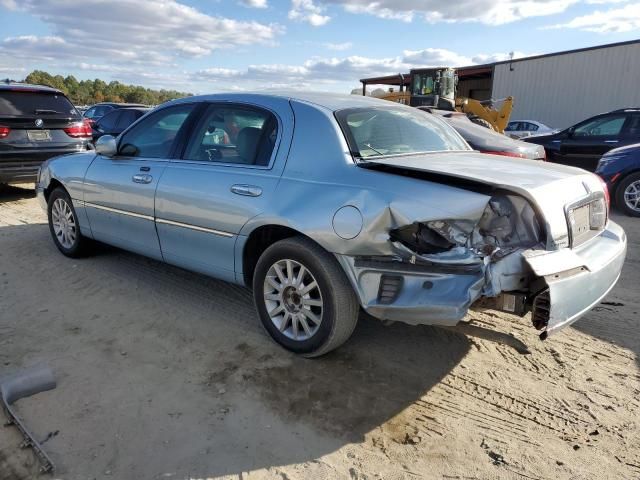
x: 107, y: 146
x: 570, y: 131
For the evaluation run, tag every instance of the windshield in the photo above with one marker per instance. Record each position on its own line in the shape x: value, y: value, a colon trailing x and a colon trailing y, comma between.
x: 382, y: 131
x: 423, y: 84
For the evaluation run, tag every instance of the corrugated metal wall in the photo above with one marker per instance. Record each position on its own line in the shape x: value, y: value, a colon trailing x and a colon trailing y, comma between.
x: 561, y: 90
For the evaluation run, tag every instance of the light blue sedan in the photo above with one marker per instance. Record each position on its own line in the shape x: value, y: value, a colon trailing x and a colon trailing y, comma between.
x: 328, y: 204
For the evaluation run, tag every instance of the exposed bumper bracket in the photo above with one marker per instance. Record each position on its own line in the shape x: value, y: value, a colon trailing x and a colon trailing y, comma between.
x: 21, y: 385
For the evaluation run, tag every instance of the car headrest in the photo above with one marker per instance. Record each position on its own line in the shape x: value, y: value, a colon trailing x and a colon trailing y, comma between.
x: 247, y: 144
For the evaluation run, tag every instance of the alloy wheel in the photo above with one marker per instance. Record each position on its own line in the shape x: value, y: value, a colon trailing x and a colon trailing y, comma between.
x: 632, y: 196
x: 64, y: 223
x: 293, y: 299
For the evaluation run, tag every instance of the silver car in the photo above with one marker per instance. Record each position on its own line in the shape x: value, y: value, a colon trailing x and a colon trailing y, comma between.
x: 525, y: 128
x: 327, y: 204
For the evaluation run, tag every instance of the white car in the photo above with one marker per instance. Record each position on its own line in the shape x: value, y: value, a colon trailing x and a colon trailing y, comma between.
x: 525, y: 128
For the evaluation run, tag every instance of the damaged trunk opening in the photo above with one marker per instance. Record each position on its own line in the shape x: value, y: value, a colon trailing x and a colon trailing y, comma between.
x: 442, y: 268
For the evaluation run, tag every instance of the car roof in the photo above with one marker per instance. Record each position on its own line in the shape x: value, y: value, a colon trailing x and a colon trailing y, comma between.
x: 27, y: 87
x: 628, y: 109
x: 121, y: 105
x: 134, y: 107
x: 330, y: 101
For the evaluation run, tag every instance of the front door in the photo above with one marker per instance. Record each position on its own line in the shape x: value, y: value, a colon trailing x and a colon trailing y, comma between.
x: 225, y: 177
x: 120, y: 190
x: 592, y: 139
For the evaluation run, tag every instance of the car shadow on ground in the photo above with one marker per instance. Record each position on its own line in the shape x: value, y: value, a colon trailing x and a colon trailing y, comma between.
x: 136, y: 321
x: 11, y: 193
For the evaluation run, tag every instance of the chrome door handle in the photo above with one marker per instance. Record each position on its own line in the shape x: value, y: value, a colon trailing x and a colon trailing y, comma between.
x: 247, y: 190
x: 611, y: 141
x: 142, y: 178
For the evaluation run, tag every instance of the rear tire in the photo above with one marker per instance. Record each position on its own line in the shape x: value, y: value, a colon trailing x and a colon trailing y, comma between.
x: 303, y: 297
x: 628, y: 194
x: 64, y: 225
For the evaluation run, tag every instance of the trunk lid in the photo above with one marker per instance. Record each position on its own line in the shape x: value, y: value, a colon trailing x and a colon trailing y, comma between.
x: 551, y: 188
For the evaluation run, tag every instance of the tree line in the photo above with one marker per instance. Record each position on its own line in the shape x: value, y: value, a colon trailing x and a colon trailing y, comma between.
x: 88, y: 92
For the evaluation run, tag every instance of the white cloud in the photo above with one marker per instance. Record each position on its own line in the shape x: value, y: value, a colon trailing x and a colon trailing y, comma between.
x: 498, y: 57
x: 490, y: 12
x: 434, y: 57
x: 150, y: 33
x: 617, y: 20
x: 12, y: 72
x: 254, y: 3
x: 308, y: 11
x: 339, y: 47
x: 333, y: 73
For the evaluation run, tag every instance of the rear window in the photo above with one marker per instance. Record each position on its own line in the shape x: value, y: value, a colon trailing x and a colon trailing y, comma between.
x: 381, y: 132
x: 29, y: 104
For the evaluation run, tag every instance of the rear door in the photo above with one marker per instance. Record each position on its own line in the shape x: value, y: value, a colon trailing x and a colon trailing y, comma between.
x: 631, y: 132
x: 592, y: 139
x: 227, y: 175
x: 119, y: 190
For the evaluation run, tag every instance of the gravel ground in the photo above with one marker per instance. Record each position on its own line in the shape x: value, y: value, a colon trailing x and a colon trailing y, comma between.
x: 167, y: 374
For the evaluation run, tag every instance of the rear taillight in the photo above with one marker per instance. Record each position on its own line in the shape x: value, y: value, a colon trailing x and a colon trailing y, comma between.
x: 79, y: 130
x: 4, y: 131
x: 505, y: 154
x: 607, y: 198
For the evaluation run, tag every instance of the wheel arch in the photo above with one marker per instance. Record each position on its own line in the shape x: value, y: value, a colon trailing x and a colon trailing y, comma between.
x: 616, y: 189
x: 53, y: 184
x: 259, y: 240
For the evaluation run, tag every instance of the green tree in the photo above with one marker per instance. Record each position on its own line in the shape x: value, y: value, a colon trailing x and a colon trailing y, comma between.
x: 87, y: 92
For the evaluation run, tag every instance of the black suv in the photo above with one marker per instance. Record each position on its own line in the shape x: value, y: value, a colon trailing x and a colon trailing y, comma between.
x: 117, y: 121
x: 583, y: 144
x: 99, y: 110
x: 36, y: 123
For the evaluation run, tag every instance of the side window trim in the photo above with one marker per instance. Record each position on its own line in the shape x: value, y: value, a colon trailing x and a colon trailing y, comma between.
x: 206, y: 106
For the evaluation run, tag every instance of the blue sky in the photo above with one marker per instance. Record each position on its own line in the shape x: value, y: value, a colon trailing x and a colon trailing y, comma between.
x: 212, y: 45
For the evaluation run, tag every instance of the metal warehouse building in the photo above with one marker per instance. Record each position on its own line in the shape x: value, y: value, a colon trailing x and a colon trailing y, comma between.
x: 560, y: 89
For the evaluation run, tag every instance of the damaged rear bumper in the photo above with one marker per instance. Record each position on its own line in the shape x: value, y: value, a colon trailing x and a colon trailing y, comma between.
x: 412, y: 293
x: 564, y: 284
x: 577, y: 279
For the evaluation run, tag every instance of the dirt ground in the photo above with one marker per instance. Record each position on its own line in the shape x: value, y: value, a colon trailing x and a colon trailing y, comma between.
x: 165, y: 374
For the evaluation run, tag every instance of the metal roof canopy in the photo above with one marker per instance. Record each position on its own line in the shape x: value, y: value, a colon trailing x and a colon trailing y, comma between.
x: 404, y: 79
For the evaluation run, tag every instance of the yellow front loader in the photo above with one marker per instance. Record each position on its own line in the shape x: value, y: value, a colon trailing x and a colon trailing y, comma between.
x: 488, y: 116
x: 436, y: 88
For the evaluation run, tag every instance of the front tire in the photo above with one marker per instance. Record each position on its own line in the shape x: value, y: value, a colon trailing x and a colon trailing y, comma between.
x: 64, y: 226
x: 628, y: 195
x: 303, y: 297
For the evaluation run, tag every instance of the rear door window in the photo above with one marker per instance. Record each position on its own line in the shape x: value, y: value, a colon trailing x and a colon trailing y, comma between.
x: 127, y: 117
x: 633, y: 126
x: 108, y: 122
x: 15, y: 103
x: 234, y: 134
